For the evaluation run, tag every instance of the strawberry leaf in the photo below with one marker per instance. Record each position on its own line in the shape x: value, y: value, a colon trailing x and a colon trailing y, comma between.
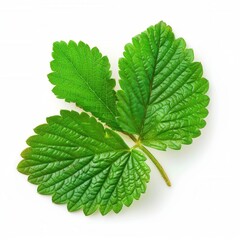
x: 78, y: 162
x: 163, y: 97
x: 81, y: 75
x: 162, y: 104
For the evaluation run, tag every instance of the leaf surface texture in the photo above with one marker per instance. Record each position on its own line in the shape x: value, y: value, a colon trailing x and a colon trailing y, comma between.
x: 82, y: 75
x: 78, y: 162
x: 163, y: 97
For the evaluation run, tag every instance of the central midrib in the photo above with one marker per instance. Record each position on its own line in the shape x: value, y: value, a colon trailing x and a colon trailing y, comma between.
x: 150, y: 91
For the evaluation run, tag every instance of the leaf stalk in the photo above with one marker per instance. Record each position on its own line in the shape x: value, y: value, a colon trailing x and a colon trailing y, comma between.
x: 153, y: 159
x: 157, y: 164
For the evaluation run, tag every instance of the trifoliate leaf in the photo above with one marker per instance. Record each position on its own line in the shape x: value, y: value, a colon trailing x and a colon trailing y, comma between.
x: 82, y: 75
x: 163, y: 97
x: 78, y: 162
x: 163, y: 101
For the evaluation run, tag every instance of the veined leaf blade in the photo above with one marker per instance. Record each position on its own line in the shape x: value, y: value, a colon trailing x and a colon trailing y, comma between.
x: 163, y: 98
x: 82, y: 75
x: 78, y: 162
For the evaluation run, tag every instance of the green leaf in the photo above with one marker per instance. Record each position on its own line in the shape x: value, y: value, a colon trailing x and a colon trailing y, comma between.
x: 78, y: 162
x: 81, y: 75
x: 162, y: 104
x: 163, y: 97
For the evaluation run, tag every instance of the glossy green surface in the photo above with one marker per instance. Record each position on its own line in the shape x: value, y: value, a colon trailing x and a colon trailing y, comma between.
x: 82, y: 75
x: 163, y: 92
x: 162, y: 104
x: 78, y: 162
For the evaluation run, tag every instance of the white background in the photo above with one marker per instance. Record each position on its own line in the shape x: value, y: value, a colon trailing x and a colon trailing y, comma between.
x: 204, y: 201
